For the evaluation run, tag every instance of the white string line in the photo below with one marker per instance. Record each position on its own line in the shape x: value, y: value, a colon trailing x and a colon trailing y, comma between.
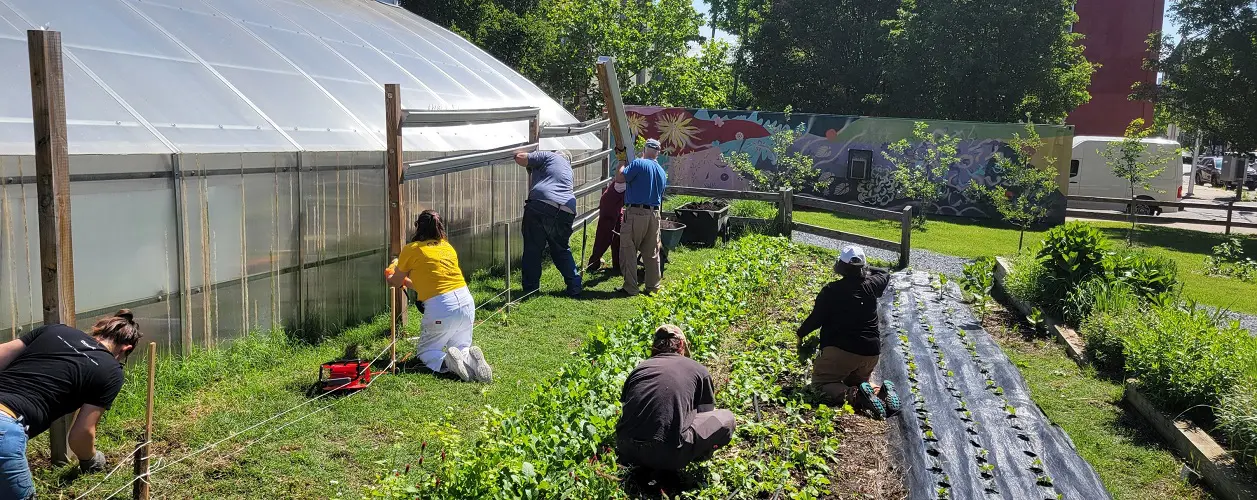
x: 280, y: 414
x: 115, y: 469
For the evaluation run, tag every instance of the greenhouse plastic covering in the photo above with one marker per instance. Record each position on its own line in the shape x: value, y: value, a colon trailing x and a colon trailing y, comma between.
x: 214, y: 76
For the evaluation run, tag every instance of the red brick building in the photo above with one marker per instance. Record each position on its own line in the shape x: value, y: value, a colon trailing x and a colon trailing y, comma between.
x: 1116, y: 37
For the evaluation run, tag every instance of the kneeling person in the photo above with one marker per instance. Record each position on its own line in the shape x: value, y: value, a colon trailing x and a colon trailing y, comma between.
x: 49, y: 373
x: 669, y: 416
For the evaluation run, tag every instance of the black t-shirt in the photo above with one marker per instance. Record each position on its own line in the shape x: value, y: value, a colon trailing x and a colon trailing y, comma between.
x: 60, y: 370
x: 661, y: 397
x: 846, y: 313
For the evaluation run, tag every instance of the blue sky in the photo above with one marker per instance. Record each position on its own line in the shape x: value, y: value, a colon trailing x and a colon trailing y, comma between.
x: 1167, y: 25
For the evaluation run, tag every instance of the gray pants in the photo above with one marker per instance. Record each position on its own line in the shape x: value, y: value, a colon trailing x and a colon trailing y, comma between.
x: 708, y: 431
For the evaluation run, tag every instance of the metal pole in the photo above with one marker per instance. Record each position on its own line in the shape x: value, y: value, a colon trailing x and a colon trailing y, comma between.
x: 141, y: 489
x: 1191, y: 182
x: 1230, y: 206
x: 52, y: 184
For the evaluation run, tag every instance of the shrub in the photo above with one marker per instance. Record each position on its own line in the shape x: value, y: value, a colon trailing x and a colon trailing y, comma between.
x: 1112, y: 314
x: 1029, y: 280
x: 1185, y: 360
x: 1148, y: 275
x: 1228, y: 260
x: 1073, y: 252
x: 1237, y: 421
x: 976, y: 281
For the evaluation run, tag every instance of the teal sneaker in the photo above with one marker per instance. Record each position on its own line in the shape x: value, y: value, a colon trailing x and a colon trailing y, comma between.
x: 868, y: 399
x: 889, y: 398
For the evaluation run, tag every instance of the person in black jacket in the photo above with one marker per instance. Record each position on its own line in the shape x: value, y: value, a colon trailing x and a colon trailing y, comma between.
x: 850, y: 343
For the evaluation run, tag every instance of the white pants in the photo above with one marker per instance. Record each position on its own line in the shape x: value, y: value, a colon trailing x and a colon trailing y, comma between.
x: 447, y: 322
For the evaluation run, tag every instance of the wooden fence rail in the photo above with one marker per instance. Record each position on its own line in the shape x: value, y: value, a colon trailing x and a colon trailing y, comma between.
x: 1230, y: 207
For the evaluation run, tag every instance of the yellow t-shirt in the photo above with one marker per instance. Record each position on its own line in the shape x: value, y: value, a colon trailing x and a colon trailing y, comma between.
x: 432, y: 266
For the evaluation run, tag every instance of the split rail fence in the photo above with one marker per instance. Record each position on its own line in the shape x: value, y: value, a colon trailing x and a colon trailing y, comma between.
x: 1230, y: 207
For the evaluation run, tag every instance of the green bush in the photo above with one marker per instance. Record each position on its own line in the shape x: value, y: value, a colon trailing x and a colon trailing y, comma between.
x: 1237, y: 421
x: 1229, y: 260
x: 976, y: 281
x: 1186, y: 361
x: 1112, y: 314
x: 1029, y: 280
x: 1149, y: 276
x: 1073, y: 252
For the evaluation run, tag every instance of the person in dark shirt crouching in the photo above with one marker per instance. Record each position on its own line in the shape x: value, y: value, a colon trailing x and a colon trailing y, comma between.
x: 669, y: 416
x: 49, y: 373
x: 846, y: 313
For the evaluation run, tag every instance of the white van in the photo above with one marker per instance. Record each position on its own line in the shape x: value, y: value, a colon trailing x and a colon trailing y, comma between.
x: 1090, y: 175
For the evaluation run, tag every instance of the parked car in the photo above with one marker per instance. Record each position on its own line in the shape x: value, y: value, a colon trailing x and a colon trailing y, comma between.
x: 1209, y: 171
x: 1090, y: 175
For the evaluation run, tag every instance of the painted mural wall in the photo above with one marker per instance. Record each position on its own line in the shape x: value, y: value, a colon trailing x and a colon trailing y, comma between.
x: 694, y: 141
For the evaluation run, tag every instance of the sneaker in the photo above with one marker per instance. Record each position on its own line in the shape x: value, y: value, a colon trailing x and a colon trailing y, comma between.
x: 890, y: 399
x: 480, y: 368
x: 867, y: 399
x: 458, y: 362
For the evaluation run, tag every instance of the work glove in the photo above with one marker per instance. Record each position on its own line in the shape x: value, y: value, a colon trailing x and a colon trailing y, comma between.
x: 94, y: 464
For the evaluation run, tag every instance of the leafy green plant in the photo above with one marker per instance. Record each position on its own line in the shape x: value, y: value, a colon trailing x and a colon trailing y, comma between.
x: 976, y: 281
x: 790, y: 169
x: 1137, y: 164
x: 1237, y: 421
x: 921, y: 165
x: 1073, y: 252
x: 1023, y: 194
x: 1146, y: 274
x: 1229, y: 260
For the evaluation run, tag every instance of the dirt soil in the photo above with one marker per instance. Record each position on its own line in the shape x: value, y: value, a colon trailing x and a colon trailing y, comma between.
x: 706, y: 205
x: 866, y: 468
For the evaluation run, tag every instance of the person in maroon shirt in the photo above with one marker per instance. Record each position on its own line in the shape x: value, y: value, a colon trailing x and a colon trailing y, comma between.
x: 610, y: 208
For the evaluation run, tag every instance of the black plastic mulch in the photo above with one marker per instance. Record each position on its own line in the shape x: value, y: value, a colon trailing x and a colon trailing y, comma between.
x: 968, y: 429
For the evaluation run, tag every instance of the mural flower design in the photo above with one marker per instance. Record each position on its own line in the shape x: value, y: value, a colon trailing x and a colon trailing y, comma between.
x: 675, y: 130
x: 841, y: 189
x: 879, y: 189
x: 637, y: 124
x: 719, y: 121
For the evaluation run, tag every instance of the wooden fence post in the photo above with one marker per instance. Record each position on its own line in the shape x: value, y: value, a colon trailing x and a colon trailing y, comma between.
x: 52, y: 183
x: 1230, y: 205
x: 785, y: 213
x: 141, y: 489
x: 905, y: 237
x: 394, y: 166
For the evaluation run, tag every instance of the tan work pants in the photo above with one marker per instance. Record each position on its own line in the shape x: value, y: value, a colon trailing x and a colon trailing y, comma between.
x: 836, y: 371
x: 639, y: 233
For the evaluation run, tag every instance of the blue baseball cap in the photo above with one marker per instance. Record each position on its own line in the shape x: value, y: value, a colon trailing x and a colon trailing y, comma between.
x: 652, y: 143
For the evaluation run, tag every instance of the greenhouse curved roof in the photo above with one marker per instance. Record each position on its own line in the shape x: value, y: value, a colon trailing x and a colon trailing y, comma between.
x: 204, y: 76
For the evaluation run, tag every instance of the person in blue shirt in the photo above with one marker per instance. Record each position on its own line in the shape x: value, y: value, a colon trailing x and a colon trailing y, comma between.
x: 549, y: 213
x: 639, y: 232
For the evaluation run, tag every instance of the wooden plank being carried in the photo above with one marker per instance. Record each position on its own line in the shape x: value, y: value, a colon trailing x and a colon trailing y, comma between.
x: 847, y: 208
x: 854, y: 238
x: 727, y: 194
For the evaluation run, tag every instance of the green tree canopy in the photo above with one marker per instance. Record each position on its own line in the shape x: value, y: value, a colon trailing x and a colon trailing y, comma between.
x: 702, y: 81
x: 1210, y: 79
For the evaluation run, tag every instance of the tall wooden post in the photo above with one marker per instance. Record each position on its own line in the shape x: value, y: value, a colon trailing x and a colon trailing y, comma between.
x: 52, y: 183
x: 141, y: 490
x: 785, y: 213
x: 609, y: 83
x: 394, y: 167
x: 905, y: 238
x: 392, y: 331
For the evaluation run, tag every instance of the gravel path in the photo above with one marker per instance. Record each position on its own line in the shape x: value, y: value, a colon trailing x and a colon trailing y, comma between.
x: 954, y: 266
x: 921, y: 259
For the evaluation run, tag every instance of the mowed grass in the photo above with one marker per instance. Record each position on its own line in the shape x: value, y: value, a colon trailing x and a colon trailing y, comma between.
x: 338, y: 450
x: 1128, y: 456
x: 971, y: 238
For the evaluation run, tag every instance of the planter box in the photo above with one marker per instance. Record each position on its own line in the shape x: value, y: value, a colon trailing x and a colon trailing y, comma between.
x: 1074, y: 345
x: 702, y: 226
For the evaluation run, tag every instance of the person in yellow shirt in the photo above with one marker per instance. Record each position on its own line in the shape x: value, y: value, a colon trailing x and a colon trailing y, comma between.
x: 429, y: 266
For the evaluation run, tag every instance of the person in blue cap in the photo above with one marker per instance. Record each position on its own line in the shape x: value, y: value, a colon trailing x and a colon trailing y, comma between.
x: 645, y: 181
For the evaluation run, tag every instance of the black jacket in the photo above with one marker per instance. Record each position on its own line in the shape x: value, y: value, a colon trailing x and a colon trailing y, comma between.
x: 846, y: 313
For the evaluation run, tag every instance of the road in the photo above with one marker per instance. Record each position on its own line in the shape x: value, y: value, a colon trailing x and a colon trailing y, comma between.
x: 1183, y: 219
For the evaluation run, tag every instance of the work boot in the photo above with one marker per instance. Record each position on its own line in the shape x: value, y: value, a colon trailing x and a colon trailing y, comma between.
x: 459, y: 363
x: 866, y: 398
x: 890, y: 399
x: 480, y: 368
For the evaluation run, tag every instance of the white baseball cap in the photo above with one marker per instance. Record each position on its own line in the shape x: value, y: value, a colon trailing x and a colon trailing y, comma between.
x: 652, y: 143
x: 853, y: 255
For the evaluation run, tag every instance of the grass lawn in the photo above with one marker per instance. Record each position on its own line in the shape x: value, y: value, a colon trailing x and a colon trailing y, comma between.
x: 1129, y: 458
x: 211, y: 395
x: 970, y: 239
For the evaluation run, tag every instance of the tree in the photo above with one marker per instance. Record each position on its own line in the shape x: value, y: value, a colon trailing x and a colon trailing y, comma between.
x: 921, y: 168
x: 988, y: 60
x: 1023, y: 193
x: 825, y: 56
x: 1136, y: 163
x: 701, y: 81
x: 1210, y: 79
x: 793, y: 170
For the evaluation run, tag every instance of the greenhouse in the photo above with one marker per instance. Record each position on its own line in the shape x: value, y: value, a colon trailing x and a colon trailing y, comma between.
x: 227, y: 158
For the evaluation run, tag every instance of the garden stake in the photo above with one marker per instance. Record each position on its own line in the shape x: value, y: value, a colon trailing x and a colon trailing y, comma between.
x: 392, y: 330
x: 140, y: 490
